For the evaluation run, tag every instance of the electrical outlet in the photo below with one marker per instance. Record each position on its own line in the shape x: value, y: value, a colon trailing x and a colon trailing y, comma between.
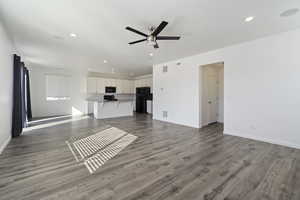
x: 165, y: 114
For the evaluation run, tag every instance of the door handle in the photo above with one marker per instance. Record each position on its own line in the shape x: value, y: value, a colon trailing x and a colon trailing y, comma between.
x: 209, y: 102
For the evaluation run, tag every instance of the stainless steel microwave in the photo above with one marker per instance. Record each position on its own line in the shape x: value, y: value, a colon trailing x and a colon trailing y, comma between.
x: 110, y: 89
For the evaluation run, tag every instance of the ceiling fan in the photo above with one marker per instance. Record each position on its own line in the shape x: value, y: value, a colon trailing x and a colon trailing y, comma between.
x: 153, y: 36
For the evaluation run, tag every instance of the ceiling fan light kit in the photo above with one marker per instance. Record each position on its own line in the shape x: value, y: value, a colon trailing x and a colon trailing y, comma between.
x: 153, y: 36
x: 151, y: 40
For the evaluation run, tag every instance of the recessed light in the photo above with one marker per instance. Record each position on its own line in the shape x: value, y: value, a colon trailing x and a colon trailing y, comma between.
x: 289, y: 12
x: 73, y: 35
x: 105, y: 61
x: 151, y: 54
x: 249, y: 19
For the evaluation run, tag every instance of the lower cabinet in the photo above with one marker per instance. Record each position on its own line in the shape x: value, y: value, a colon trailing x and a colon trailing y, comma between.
x: 90, y: 107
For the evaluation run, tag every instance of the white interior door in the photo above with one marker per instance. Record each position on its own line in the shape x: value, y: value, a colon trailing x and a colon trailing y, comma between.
x: 210, y: 96
x: 212, y: 100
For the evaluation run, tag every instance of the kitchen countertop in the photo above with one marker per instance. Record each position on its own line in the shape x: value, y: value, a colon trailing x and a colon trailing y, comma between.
x: 105, y: 101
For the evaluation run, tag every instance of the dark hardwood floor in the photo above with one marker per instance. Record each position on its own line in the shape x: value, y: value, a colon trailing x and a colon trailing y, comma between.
x: 167, y: 161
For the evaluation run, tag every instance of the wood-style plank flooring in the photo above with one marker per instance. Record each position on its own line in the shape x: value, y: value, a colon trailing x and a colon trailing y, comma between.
x: 167, y: 161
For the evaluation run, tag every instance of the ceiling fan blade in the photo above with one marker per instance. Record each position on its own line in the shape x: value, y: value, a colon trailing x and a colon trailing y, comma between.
x: 136, y: 31
x: 168, y: 37
x: 137, y: 41
x: 156, y: 46
x: 162, y: 25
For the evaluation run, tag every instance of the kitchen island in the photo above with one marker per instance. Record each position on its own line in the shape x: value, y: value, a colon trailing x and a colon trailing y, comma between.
x: 110, y: 109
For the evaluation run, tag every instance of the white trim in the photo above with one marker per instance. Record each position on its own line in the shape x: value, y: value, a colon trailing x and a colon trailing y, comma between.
x: 5, y: 143
x: 176, y: 123
x: 271, y: 141
x: 54, y: 123
x: 48, y: 119
x: 143, y: 77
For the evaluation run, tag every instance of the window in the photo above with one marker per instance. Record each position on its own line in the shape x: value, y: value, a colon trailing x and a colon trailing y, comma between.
x: 57, y: 87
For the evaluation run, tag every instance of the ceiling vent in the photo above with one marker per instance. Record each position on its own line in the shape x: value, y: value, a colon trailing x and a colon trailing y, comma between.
x: 165, y: 68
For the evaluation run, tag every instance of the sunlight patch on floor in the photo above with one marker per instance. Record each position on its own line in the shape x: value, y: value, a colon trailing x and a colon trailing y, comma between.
x: 93, y: 151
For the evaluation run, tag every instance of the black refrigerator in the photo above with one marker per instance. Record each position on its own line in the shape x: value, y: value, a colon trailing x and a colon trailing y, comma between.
x: 142, y: 95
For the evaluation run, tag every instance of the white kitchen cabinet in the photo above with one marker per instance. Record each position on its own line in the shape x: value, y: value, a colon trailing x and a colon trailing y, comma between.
x: 91, y: 85
x: 90, y: 107
x: 131, y: 88
x: 112, y: 82
x: 106, y: 82
x: 123, y: 86
x: 137, y: 83
x: 100, y: 86
x: 126, y: 86
x: 143, y: 83
x: 97, y: 85
x: 150, y: 83
x: 119, y: 85
x: 146, y: 83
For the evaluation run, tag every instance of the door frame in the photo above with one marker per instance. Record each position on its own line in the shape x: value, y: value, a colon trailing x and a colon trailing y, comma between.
x: 220, y: 106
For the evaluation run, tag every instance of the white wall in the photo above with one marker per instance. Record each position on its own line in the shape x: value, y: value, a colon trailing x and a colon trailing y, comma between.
x: 42, y: 108
x: 6, y: 87
x: 261, y: 89
x: 177, y: 91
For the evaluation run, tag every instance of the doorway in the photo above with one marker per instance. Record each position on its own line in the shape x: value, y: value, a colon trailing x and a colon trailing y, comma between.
x: 212, y: 98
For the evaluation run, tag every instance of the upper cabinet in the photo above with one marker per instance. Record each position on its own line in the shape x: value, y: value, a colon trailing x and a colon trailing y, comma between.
x: 127, y: 86
x: 119, y: 86
x: 109, y: 82
x: 131, y: 88
x: 97, y: 85
x: 91, y: 85
x: 100, y: 86
x: 145, y: 82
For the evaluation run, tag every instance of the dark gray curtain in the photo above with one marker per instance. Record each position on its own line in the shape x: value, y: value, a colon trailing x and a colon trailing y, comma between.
x: 28, y: 97
x: 17, y: 115
x: 21, y: 93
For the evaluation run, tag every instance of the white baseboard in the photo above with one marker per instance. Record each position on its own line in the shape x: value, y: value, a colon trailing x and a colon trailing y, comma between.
x: 271, y: 141
x: 174, y: 122
x: 5, y: 143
